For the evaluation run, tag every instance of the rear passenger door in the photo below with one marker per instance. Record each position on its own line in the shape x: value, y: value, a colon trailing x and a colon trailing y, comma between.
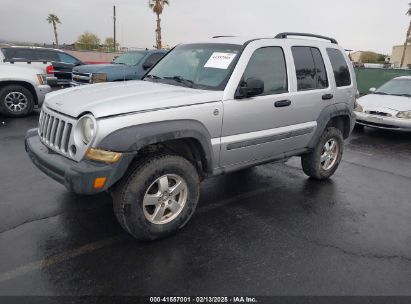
x: 312, y: 89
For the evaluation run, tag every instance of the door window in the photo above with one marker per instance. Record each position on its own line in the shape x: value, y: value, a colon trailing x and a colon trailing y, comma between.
x: 268, y: 64
x: 340, y: 68
x: 67, y: 58
x: 310, y: 68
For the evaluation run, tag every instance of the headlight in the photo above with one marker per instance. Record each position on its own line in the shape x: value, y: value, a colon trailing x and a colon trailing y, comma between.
x: 404, y: 114
x: 98, y: 77
x: 85, y: 130
x: 358, y: 107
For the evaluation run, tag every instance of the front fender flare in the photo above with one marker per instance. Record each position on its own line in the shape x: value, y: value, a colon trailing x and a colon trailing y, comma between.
x: 133, y: 138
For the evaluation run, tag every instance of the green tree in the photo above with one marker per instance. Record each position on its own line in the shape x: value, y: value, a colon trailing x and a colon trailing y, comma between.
x: 53, y: 19
x: 372, y: 57
x: 109, y: 44
x: 157, y: 7
x: 88, y: 41
x: 407, y: 39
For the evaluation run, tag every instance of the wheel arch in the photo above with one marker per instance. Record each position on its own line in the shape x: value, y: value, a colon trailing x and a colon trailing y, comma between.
x: 24, y: 84
x: 187, y: 138
x: 339, y: 116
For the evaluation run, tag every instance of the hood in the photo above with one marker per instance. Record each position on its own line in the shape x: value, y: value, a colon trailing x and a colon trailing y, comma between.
x: 99, y: 68
x: 114, y: 98
x: 380, y: 102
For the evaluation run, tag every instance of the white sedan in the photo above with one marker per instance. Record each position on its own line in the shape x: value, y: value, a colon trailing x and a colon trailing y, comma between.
x: 389, y: 107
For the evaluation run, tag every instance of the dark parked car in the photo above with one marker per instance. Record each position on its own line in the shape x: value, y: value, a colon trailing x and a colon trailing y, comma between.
x: 52, y: 61
x: 128, y: 66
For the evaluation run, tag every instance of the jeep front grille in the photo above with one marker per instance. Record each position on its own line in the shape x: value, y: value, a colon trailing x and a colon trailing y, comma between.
x: 55, y: 131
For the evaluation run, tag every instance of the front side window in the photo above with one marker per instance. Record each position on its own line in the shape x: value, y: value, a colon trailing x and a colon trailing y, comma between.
x: 202, y: 66
x: 130, y: 58
x: 340, y: 68
x: 310, y: 68
x: 67, y: 58
x: 268, y: 64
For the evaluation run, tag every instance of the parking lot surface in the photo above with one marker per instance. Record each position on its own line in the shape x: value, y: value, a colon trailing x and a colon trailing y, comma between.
x: 264, y: 231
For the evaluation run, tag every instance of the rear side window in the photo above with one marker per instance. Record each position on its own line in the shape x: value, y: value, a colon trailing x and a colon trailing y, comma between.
x: 340, y: 68
x: 47, y: 55
x: 24, y: 54
x: 268, y: 64
x: 310, y: 68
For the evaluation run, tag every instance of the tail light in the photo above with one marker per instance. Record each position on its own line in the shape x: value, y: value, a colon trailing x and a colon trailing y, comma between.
x: 49, y: 69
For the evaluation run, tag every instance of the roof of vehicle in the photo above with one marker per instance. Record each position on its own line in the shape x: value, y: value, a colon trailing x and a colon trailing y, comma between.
x: 31, y: 47
x: 315, y: 39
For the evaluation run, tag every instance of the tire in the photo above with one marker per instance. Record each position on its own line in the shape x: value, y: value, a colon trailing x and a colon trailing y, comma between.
x: 16, y: 101
x: 359, y: 128
x: 138, y: 199
x: 312, y: 164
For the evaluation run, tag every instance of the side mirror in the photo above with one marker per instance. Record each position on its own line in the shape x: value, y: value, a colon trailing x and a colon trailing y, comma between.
x: 147, y: 65
x: 251, y: 87
x: 372, y: 90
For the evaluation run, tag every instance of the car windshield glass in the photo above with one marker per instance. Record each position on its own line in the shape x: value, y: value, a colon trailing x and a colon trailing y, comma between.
x: 131, y: 58
x: 400, y: 87
x: 201, y: 66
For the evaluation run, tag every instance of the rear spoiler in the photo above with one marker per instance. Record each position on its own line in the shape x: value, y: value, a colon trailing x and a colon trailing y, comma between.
x: 25, y: 60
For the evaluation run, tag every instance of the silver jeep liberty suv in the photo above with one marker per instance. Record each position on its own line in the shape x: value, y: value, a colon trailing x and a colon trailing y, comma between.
x: 205, y: 109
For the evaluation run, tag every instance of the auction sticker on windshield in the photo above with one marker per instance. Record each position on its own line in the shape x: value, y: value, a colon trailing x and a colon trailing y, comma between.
x: 220, y: 60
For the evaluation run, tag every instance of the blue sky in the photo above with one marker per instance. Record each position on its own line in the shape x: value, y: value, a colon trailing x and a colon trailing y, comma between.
x: 357, y: 24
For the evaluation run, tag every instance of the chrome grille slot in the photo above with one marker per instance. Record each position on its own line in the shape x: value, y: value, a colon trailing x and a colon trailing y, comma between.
x: 55, y: 131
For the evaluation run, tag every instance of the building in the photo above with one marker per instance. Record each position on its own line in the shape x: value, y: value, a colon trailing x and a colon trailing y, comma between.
x: 396, y: 56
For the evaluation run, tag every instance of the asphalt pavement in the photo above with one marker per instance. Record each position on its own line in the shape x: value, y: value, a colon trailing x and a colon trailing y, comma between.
x: 268, y: 230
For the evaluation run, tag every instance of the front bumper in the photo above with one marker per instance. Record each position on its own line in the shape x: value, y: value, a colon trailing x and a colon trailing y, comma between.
x: 77, y: 177
x: 382, y: 122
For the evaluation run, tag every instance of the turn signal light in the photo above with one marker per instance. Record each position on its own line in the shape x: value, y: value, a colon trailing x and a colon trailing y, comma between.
x: 99, y: 182
x: 103, y: 156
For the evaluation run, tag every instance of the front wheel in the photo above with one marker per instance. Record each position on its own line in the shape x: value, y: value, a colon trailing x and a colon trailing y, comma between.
x: 157, y: 197
x: 323, y: 161
x: 16, y: 101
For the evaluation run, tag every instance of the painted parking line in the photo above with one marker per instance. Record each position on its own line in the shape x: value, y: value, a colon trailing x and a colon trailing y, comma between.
x: 91, y: 247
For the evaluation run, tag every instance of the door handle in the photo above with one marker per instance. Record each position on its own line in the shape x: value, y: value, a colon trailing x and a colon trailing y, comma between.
x: 328, y: 96
x: 282, y: 103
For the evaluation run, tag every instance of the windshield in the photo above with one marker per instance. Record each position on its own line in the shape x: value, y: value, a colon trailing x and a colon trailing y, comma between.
x: 400, y: 87
x: 201, y: 66
x: 131, y: 58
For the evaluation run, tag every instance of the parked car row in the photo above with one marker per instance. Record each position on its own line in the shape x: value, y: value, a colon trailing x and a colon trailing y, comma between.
x: 388, y: 107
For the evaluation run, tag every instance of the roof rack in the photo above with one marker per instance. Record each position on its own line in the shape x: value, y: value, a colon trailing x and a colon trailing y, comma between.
x: 222, y: 36
x: 286, y: 34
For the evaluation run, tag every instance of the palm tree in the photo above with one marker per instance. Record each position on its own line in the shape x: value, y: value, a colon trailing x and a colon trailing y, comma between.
x: 158, y: 6
x: 407, y: 39
x: 53, y: 19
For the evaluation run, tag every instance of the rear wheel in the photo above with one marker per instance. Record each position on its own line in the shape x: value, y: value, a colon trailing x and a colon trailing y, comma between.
x: 157, y: 197
x: 324, y: 160
x: 16, y: 101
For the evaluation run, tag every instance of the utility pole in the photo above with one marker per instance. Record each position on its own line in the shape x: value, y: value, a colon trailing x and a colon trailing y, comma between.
x: 114, y: 38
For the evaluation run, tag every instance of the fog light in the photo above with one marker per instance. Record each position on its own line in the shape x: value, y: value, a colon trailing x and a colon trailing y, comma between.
x: 103, y: 156
x: 99, y: 182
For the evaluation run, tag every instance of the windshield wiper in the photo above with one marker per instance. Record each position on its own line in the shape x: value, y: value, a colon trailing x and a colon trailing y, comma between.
x: 187, y: 82
x: 380, y: 93
x: 152, y: 77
